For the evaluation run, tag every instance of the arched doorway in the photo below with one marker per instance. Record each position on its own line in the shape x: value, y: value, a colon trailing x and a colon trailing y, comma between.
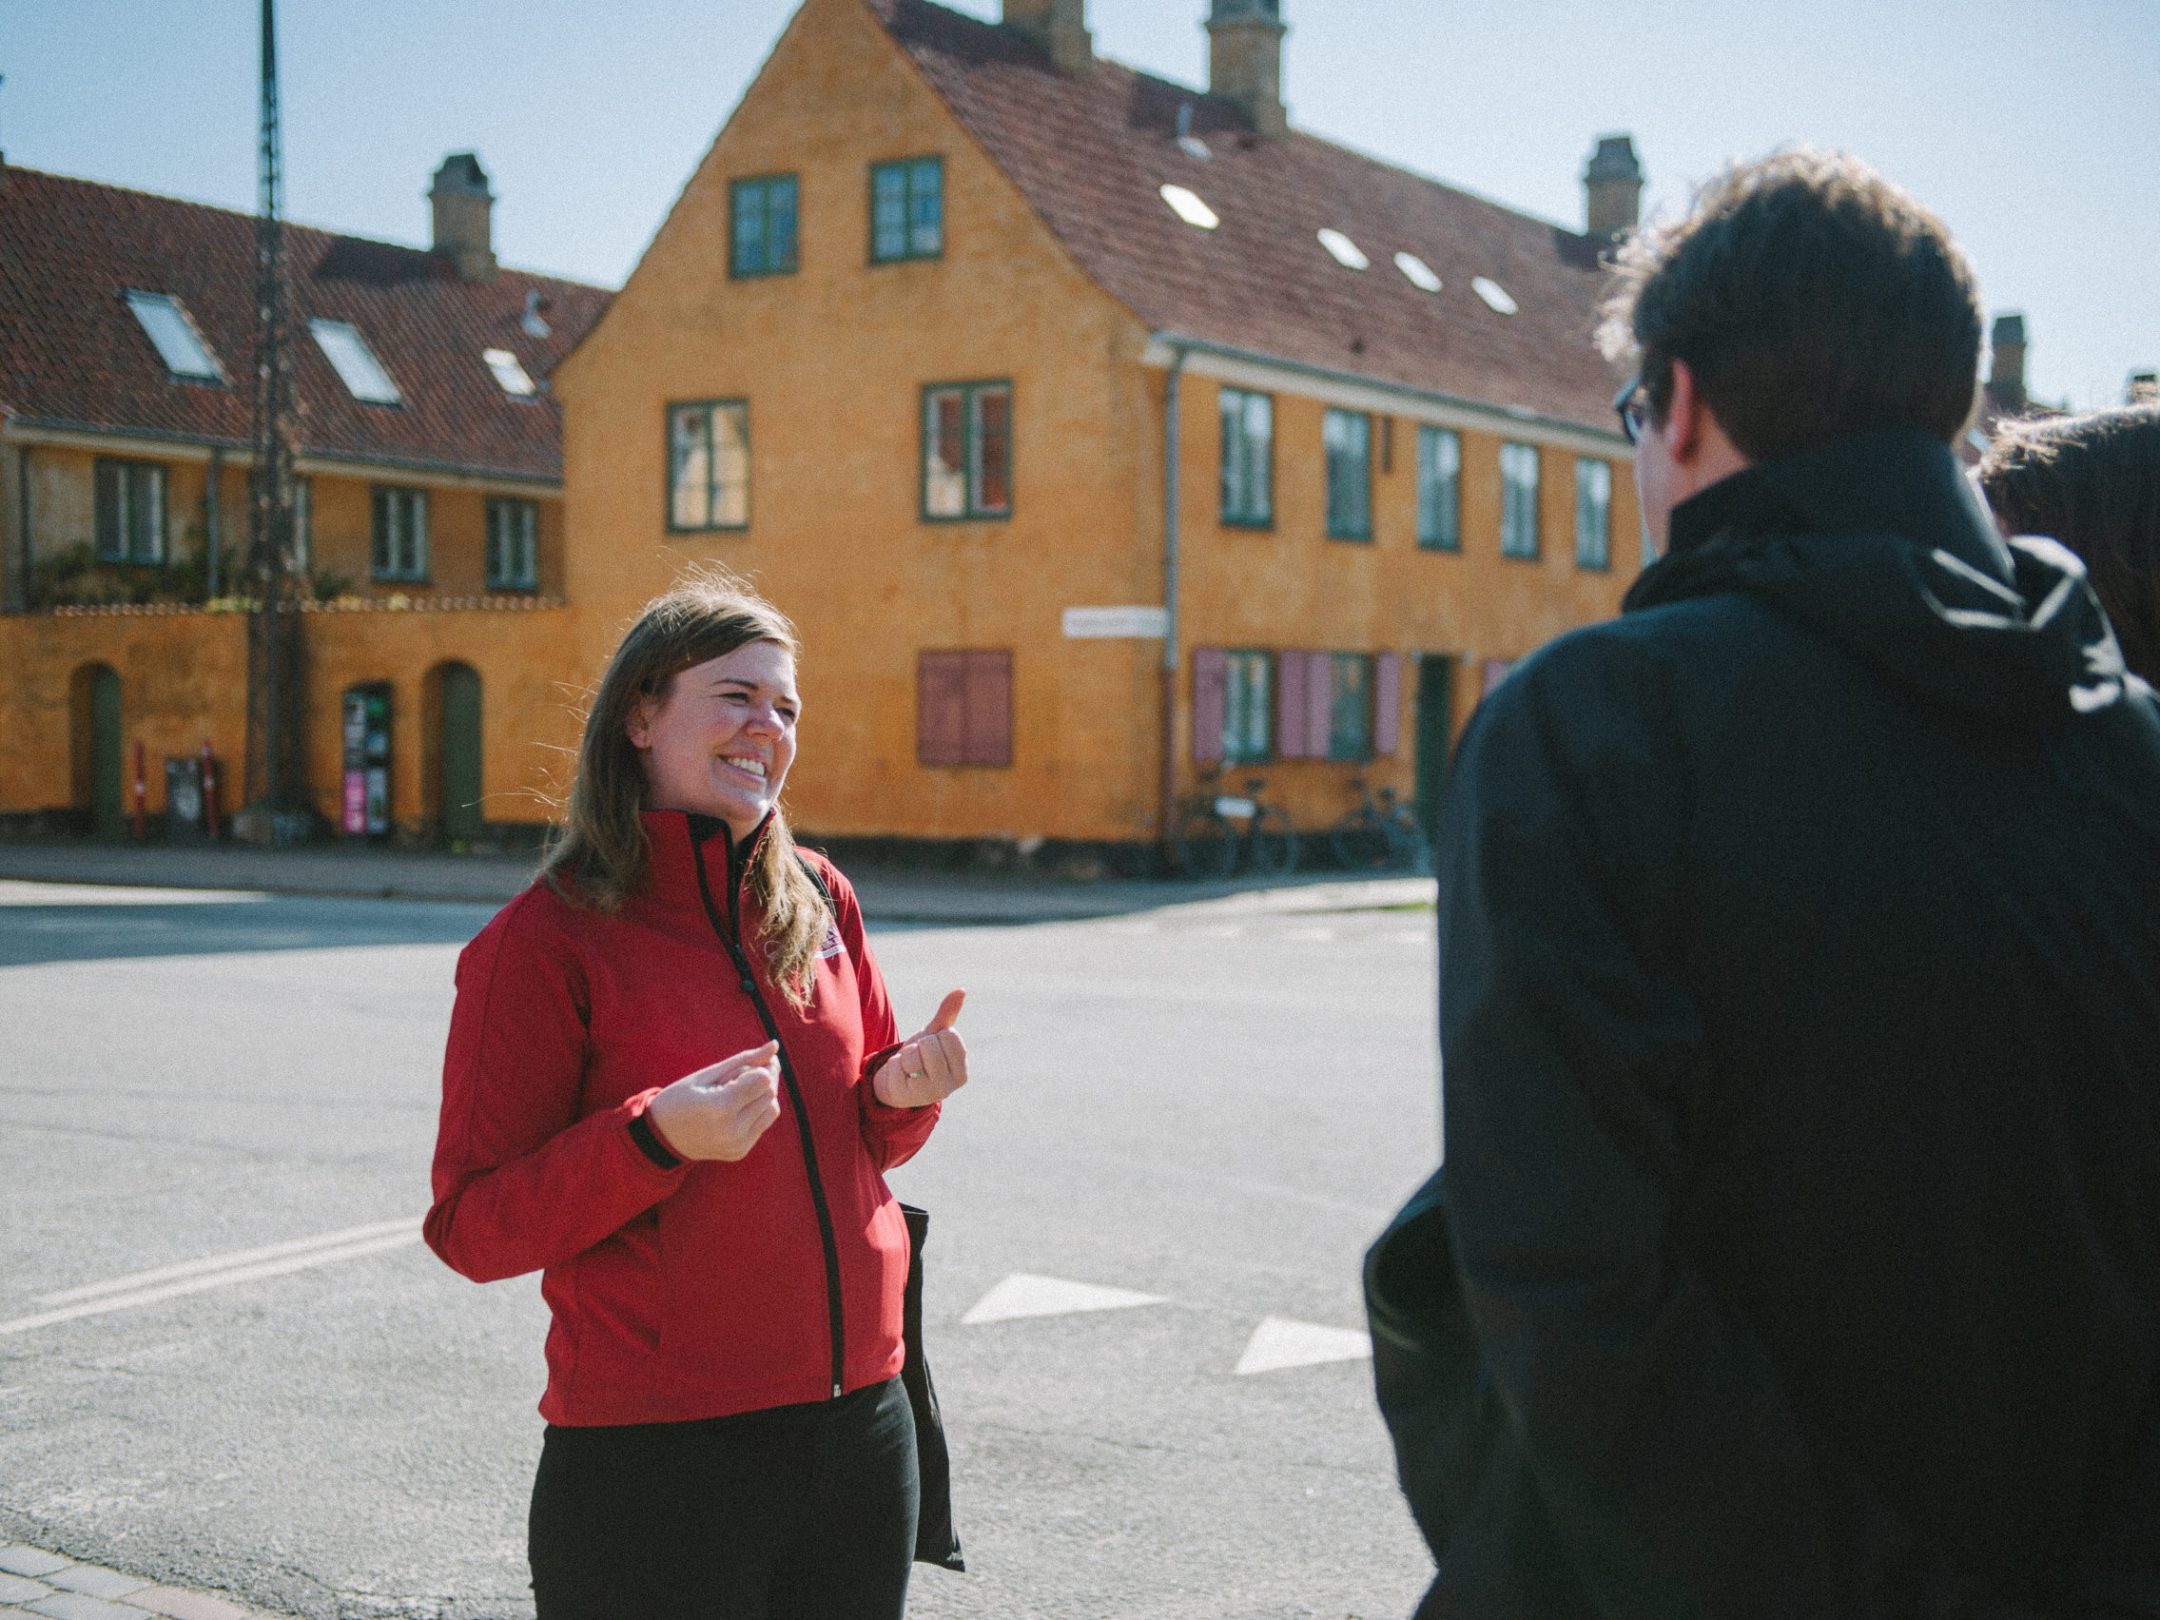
x: 94, y: 748
x: 457, y: 759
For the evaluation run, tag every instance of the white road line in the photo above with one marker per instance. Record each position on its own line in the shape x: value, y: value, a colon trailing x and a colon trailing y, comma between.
x: 222, y: 1262
x: 1278, y: 1343
x: 216, y: 1279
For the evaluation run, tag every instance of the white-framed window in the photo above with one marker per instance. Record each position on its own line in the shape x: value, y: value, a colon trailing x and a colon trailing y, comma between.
x: 1248, y: 458
x: 513, y: 545
x: 1439, y: 489
x: 355, y: 363
x: 1518, y: 500
x: 400, y: 550
x: 171, y: 330
x: 130, y: 511
x: 1593, y: 513
x: 709, y: 465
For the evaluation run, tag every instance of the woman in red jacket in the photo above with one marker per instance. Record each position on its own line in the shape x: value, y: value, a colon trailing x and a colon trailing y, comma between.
x: 672, y: 1084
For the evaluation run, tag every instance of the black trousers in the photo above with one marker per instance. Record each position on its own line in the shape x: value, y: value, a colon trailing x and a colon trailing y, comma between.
x: 797, y: 1513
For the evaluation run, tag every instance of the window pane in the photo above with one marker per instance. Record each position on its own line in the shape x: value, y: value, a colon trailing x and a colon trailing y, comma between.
x: 179, y: 345
x: 926, y: 209
x: 379, y: 543
x: 347, y: 351
x: 1439, y: 488
x: 1593, y: 512
x: 1247, y: 708
x: 993, y: 451
x: 731, y: 466
x: 1518, y: 500
x: 750, y: 230
x: 1349, y: 469
x: 303, y: 523
x: 888, y: 191
x: 1350, y: 710
x: 945, y: 455
x: 780, y: 226
x: 690, y: 474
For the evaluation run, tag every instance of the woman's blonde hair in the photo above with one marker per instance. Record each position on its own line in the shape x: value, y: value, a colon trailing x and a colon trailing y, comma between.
x: 598, y: 854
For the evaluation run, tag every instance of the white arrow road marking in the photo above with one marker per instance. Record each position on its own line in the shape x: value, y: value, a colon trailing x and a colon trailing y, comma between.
x: 1023, y: 1294
x: 1279, y: 1342
x: 394, y: 1235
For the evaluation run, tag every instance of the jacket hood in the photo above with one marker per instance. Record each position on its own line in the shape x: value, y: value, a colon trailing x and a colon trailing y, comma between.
x: 1879, y: 542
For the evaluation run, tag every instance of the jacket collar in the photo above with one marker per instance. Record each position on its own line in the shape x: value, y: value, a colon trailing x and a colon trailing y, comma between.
x: 684, y: 846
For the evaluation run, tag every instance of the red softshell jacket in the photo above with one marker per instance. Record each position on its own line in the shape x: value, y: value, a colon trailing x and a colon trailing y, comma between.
x: 713, y: 1287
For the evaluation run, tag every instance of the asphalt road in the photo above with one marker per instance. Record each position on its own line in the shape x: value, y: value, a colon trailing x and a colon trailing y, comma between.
x: 236, y: 1095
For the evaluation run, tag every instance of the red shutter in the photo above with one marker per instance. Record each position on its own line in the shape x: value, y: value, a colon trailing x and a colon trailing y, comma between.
x: 941, y: 708
x: 989, y: 708
x: 1210, y: 698
x: 1319, y: 704
x: 1386, y: 703
x: 1290, y: 740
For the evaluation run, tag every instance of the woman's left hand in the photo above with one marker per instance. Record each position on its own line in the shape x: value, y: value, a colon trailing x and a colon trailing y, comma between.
x: 930, y: 1067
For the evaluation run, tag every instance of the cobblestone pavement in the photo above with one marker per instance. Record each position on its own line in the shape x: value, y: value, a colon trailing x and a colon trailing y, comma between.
x: 36, y: 1582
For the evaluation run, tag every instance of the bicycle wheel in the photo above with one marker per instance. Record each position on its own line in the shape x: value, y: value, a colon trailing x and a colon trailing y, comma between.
x: 1359, y: 842
x: 1271, y: 847
x: 1205, y: 845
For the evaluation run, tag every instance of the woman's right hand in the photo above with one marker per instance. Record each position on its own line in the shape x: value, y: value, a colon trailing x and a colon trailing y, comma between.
x: 720, y: 1111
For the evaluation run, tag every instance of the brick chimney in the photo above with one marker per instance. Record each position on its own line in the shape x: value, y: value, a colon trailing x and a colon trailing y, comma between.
x: 463, y: 216
x: 2006, y: 362
x: 1612, y: 189
x: 1059, y: 27
x: 1245, y: 59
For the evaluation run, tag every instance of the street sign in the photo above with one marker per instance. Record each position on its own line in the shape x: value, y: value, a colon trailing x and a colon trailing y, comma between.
x: 1116, y: 623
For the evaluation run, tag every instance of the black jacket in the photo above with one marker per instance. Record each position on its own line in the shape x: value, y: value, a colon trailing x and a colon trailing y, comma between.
x: 1800, y: 1026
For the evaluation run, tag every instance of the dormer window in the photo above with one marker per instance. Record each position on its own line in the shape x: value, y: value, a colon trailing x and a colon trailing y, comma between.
x: 509, y: 373
x: 1187, y: 205
x: 347, y: 351
x: 1495, y: 296
x: 166, y: 324
x: 1419, y: 274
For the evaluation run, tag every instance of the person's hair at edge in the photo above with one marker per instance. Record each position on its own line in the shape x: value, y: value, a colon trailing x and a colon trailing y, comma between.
x: 1810, y: 298
x: 598, y: 853
x: 2093, y: 483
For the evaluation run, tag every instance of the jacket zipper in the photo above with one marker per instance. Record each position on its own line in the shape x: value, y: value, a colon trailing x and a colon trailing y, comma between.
x: 729, y: 933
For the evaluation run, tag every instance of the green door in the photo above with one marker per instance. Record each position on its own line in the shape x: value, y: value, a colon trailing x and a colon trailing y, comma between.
x: 108, y: 802
x: 1435, y: 713
x: 460, y: 807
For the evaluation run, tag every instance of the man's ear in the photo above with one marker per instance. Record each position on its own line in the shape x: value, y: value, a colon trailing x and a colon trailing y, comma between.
x: 1684, y: 412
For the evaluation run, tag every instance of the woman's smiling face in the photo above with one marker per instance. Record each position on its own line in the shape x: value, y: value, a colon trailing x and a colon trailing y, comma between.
x: 719, y: 740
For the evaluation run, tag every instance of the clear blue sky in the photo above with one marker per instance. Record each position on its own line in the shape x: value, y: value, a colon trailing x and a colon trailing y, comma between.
x: 2033, y: 128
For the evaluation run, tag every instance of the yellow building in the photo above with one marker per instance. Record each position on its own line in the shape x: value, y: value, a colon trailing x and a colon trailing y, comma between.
x: 1100, y: 434
x: 430, y: 529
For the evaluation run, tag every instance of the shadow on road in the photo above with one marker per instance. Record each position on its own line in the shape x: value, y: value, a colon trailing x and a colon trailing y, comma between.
x: 37, y: 932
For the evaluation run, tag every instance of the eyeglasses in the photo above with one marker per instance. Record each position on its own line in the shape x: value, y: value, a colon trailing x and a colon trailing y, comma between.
x: 1632, y: 406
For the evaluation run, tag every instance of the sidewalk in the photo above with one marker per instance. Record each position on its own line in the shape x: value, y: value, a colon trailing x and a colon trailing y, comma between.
x: 889, y: 894
x: 44, y: 1584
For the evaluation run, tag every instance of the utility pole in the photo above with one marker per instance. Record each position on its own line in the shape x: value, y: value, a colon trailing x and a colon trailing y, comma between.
x: 275, y: 785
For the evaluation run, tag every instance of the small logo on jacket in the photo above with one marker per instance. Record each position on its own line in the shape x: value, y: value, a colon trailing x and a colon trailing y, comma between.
x: 832, y: 946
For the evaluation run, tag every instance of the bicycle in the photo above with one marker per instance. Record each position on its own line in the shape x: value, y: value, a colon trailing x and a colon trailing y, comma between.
x: 1379, y: 834
x: 1215, y: 829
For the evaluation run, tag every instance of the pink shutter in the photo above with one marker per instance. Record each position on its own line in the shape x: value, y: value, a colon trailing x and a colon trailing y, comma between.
x: 941, y: 708
x: 1210, y: 697
x: 1319, y: 704
x: 989, y: 708
x: 1387, y: 702
x: 1290, y: 728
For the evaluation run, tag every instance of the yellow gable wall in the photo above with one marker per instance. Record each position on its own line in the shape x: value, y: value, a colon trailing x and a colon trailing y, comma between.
x: 833, y: 360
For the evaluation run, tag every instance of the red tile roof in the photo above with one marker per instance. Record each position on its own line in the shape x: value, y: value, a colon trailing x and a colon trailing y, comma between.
x: 1091, y: 153
x: 72, y: 353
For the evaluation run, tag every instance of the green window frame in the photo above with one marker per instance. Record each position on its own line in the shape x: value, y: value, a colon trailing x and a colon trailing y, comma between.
x: 907, y: 210
x: 708, y: 461
x: 1248, y: 706
x: 1248, y: 458
x: 1439, y: 489
x: 513, y: 544
x: 1347, y: 438
x: 762, y: 221
x: 129, y: 512
x: 967, y: 451
x: 1518, y: 500
x: 399, y: 549
x: 1350, y: 705
x: 1593, y: 513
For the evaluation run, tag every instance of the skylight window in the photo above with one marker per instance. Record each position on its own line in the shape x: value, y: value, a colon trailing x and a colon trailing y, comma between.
x: 1347, y: 253
x: 165, y: 322
x: 1495, y: 296
x: 1194, y: 147
x: 1420, y: 273
x: 508, y: 372
x: 363, y: 375
x: 1188, y: 207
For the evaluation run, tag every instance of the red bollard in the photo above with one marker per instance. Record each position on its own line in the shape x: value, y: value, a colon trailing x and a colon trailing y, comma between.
x: 142, y: 792
x: 209, y: 790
